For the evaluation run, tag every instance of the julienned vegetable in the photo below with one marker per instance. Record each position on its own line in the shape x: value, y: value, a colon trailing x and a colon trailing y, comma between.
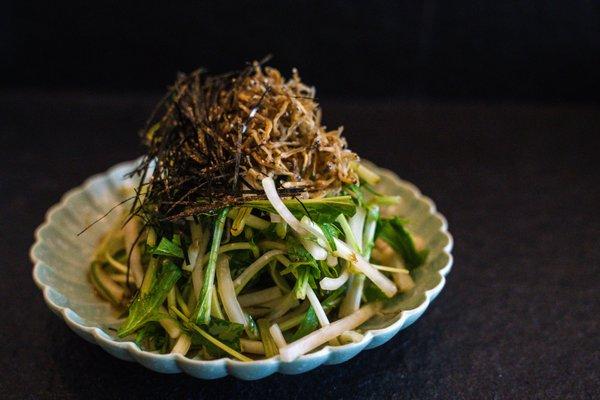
x: 310, y: 302
x: 253, y: 238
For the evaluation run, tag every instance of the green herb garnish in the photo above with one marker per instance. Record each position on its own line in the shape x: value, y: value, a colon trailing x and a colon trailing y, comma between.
x: 145, y: 307
x: 321, y: 210
x: 393, y: 232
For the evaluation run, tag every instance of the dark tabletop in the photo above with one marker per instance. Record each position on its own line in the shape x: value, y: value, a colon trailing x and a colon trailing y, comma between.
x: 518, y: 318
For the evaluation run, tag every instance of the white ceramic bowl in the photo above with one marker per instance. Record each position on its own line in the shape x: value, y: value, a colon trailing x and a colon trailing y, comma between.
x: 61, y: 261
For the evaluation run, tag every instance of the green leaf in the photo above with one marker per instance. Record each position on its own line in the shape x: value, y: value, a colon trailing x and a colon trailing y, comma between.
x: 310, y: 321
x: 251, y: 327
x: 373, y: 293
x: 308, y: 324
x: 268, y: 342
x: 310, y: 267
x: 330, y: 231
x: 145, y: 308
x: 167, y: 248
x: 326, y: 270
x: 201, y: 314
x: 205, y: 338
x: 319, y: 210
x: 333, y: 299
x: 393, y: 232
x: 177, y: 240
x: 356, y: 194
x: 239, y: 261
x: 151, y: 336
x: 301, y: 281
x: 226, y: 332
x: 296, y: 252
x: 303, y: 265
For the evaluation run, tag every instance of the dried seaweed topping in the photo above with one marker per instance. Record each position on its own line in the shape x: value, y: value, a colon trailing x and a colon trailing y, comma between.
x: 212, y: 139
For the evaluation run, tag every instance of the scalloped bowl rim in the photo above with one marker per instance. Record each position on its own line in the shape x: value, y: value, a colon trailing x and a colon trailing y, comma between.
x: 244, y: 370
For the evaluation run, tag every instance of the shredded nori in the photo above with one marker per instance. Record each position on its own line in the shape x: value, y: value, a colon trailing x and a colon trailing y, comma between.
x: 212, y: 139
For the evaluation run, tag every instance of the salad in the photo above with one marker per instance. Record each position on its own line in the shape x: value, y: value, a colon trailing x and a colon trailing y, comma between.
x: 254, y: 231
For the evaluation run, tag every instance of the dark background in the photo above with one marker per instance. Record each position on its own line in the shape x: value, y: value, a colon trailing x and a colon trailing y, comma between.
x: 491, y: 108
x: 534, y: 50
